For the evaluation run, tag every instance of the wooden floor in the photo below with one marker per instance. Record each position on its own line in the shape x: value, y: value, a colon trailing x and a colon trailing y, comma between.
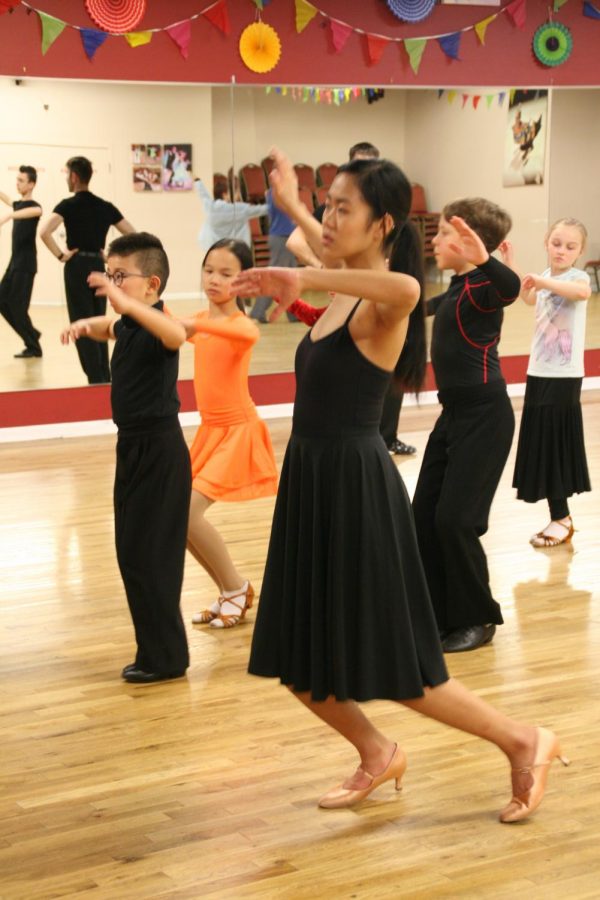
x: 206, y: 787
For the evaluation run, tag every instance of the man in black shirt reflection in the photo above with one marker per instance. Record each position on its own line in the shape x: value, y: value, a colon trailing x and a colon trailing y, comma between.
x: 87, y: 219
x: 17, y: 283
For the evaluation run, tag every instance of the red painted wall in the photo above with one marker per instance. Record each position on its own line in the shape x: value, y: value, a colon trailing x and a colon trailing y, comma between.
x: 506, y: 59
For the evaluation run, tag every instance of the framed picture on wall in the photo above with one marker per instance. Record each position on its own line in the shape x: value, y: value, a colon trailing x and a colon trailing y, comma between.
x: 525, y: 138
x: 177, y: 167
x: 146, y: 166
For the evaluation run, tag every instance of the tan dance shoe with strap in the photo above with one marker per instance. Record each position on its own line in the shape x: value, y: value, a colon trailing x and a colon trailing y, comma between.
x: 341, y: 797
x: 242, y: 602
x: 547, y: 750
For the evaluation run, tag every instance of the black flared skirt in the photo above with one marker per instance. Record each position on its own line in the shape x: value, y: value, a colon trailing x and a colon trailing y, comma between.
x: 345, y: 609
x: 551, y: 463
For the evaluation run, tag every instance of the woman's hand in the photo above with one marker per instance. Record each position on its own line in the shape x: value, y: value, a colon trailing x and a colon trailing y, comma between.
x: 471, y: 247
x: 283, y: 181
x: 286, y: 284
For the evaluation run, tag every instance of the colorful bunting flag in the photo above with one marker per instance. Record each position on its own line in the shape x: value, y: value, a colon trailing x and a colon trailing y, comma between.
x: 138, y: 38
x: 465, y: 97
x: 558, y: 4
x: 489, y: 99
x: 476, y: 100
x: 450, y: 44
x: 219, y: 16
x: 340, y: 32
x: 92, y: 39
x: 590, y: 10
x: 305, y: 13
x: 6, y: 5
x: 375, y: 47
x: 182, y: 35
x: 51, y: 29
x: 517, y: 11
x: 415, y: 47
x: 451, y: 96
x: 481, y: 28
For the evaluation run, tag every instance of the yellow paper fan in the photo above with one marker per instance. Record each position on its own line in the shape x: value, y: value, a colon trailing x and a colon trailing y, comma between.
x: 260, y: 47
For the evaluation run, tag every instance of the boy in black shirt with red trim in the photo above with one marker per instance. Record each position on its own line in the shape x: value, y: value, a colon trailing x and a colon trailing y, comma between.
x: 17, y: 283
x: 468, y: 447
x: 153, y: 476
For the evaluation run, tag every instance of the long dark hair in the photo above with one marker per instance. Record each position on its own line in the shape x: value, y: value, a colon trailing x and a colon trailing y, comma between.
x: 242, y: 253
x: 386, y: 189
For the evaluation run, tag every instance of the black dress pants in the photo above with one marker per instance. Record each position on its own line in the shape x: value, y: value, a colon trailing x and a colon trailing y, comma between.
x: 15, y: 297
x: 392, y: 404
x: 462, y: 465
x: 82, y: 303
x: 152, y: 498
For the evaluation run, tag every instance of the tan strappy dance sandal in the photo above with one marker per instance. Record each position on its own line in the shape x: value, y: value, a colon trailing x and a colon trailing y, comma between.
x: 548, y: 749
x: 541, y: 539
x: 205, y: 616
x: 242, y: 601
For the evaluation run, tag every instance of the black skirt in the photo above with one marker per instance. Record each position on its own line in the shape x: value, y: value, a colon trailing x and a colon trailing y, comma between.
x: 345, y: 609
x: 551, y: 462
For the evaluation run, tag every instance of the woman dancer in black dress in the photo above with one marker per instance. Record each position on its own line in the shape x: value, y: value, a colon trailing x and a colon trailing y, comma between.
x: 345, y: 614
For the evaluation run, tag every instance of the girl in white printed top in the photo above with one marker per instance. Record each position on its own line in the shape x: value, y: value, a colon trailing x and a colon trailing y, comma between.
x: 551, y: 462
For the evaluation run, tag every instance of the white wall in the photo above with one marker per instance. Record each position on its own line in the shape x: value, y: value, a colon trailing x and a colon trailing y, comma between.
x: 101, y: 121
x: 575, y: 162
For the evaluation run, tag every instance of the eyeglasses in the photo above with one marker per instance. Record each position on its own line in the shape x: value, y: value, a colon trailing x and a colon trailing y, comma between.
x: 119, y: 277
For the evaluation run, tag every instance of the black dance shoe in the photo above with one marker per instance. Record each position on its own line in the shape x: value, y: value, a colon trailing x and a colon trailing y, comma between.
x: 29, y: 353
x: 137, y: 676
x: 399, y: 448
x: 471, y: 638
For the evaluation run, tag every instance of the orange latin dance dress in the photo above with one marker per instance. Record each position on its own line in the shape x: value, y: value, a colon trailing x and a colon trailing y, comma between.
x: 232, y: 455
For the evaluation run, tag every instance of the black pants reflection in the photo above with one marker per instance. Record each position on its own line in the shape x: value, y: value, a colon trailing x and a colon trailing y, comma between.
x: 15, y: 297
x: 82, y: 303
x: 462, y: 465
x: 152, y: 498
x: 392, y: 404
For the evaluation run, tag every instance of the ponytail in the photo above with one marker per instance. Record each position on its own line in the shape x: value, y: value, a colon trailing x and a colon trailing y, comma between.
x: 406, y: 256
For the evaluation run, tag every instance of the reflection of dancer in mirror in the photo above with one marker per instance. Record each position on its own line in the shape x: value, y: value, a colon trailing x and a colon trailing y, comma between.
x: 87, y: 219
x: 467, y: 450
x: 224, y: 218
x: 551, y: 462
x: 345, y: 614
x: 152, y: 478
x: 17, y: 284
x: 232, y: 456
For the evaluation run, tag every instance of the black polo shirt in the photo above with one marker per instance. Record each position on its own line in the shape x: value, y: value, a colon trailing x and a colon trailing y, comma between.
x: 144, y: 375
x: 24, y: 253
x: 87, y: 220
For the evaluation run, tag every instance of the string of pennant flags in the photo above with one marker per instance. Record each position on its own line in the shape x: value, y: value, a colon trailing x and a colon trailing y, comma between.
x: 339, y: 96
x: 217, y: 14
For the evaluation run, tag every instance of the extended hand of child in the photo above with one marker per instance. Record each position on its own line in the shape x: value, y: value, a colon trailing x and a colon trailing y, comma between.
x: 270, y: 281
x: 283, y: 181
x: 119, y: 301
x: 80, y: 328
x: 471, y: 247
x: 530, y: 282
x: 507, y: 253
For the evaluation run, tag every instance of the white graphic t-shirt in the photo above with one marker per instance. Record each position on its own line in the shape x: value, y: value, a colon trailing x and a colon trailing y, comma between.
x: 558, y: 340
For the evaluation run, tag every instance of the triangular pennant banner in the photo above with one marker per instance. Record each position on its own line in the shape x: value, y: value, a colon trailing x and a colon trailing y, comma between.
x: 6, y: 5
x: 465, y: 97
x: 518, y: 12
x: 92, y: 39
x: 51, y: 29
x: 415, y: 47
x: 558, y: 4
x: 305, y: 13
x: 440, y: 93
x: 450, y: 44
x: 481, y: 28
x: 375, y: 47
x: 501, y: 97
x: 511, y: 95
x: 451, y: 96
x: 489, y: 99
x: 138, y: 38
x: 219, y: 16
x: 590, y: 10
x: 182, y: 35
x: 476, y: 100
x: 340, y: 32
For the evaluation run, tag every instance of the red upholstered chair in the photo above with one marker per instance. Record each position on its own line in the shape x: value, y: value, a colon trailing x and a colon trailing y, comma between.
x: 321, y: 194
x: 260, y: 243
x: 306, y: 176
x: 326, y: 172
x: 219, y: 180
x: 594, y: 265
x: 427, y: 222
x: 418, y: 204
x: 267, y: 163
x: 253, y: 183
x: 306, y: 195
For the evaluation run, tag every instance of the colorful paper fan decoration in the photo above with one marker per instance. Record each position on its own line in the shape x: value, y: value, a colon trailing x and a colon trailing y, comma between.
x: 116, y: 16
x: 411, y: 10
x: 260, y: 47
x: 552, y: 44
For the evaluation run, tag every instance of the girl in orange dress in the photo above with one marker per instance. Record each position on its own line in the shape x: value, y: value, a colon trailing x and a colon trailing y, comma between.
x: 232, y: 456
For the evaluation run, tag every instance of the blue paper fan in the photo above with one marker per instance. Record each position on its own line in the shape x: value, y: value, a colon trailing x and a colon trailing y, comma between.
x: 411, y: 10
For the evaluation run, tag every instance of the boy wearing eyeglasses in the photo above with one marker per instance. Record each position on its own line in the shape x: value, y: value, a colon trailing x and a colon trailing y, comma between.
x: 153, y: 475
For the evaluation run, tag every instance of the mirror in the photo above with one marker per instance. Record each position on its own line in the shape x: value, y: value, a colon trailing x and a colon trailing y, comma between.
x: 450, y: 148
